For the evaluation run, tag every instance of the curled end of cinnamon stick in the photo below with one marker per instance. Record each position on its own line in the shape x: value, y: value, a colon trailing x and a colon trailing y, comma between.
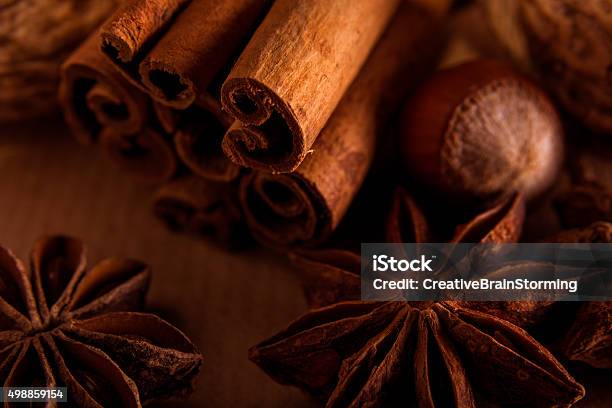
x: 117, y: 47
x: 266, y: 135
x: 199, y: 147
x: 146, y: 155
x: 111, y: 110
x: 283, y: 210
x: 93, y: 96
x: 166, y: 85
x: 135, y: 25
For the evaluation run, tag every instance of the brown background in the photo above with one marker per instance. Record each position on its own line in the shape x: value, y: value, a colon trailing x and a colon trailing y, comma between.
x: 225, y: 302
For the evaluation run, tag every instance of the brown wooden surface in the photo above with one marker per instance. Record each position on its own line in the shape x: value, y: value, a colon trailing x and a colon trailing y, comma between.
x: 226, y: 302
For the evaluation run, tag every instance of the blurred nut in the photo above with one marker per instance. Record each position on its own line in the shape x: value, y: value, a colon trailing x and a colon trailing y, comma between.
x: 568, y: 44
x: 35, y: 36
x: 480, y: 130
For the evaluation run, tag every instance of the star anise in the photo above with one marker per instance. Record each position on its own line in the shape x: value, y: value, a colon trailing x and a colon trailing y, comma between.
x: 64, y: 325
x: 424, y: 353
x: 589, y: 338
x: 328, y: 275
x: 500, y: 223
x: 332, y: 275
x: 355, y: 353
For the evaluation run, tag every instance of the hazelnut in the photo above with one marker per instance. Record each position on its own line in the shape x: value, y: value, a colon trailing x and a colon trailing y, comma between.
x: 480, y: 130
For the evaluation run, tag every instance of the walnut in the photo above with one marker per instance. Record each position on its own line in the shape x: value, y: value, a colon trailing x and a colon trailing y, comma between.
x: 35, y: 36
x: 568, y: 44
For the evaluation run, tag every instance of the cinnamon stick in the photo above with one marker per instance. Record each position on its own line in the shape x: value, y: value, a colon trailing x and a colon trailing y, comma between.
x: 201, y: 207
x: 198, y: 144
x: 145, y: 155
x: 94, y: 95
x: 167, y: 117
x: 214, y: 32
x: 197, y: 135
x: 305, y: 206
x: 292, y: 75
x: 135, y: 25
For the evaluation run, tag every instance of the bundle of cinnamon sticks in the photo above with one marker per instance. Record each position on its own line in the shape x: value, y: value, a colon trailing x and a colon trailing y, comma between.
x: 249, y: 112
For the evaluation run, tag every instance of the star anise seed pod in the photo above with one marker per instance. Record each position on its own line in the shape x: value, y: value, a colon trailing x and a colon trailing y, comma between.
x: 589, y: 339
x: 328, y: 275
x: 358, y: 354
x: 331, y: 275
x: 64, y: 325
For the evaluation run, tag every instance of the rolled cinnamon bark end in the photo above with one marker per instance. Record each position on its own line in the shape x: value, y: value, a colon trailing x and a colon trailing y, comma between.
x: 283, y: 103
x: 146, y: 155
x: 165, y: 84
x: 282, y: 210
x: 305, y: 206
x: 198, y: 144
x: 266, y: 136
x: 134, y: 26
x: 204, y: 208
x: 215, y: 31
x: 94, y: 95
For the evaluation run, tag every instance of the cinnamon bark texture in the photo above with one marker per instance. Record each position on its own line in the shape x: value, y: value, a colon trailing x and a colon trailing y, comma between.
x: 100, y: 105
x: 202, y: 208
x: 94, y: 95
x: 292, y: 75
x: 146, y: 41
x: 133, y: 27
x: 215, y: 32
x: 62, y: 324
x: 167, y: 117
x: 306, y: 205
x: 146, y: 155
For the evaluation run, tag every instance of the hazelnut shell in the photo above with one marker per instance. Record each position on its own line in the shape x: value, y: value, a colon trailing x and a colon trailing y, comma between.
x: 480, y: 130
